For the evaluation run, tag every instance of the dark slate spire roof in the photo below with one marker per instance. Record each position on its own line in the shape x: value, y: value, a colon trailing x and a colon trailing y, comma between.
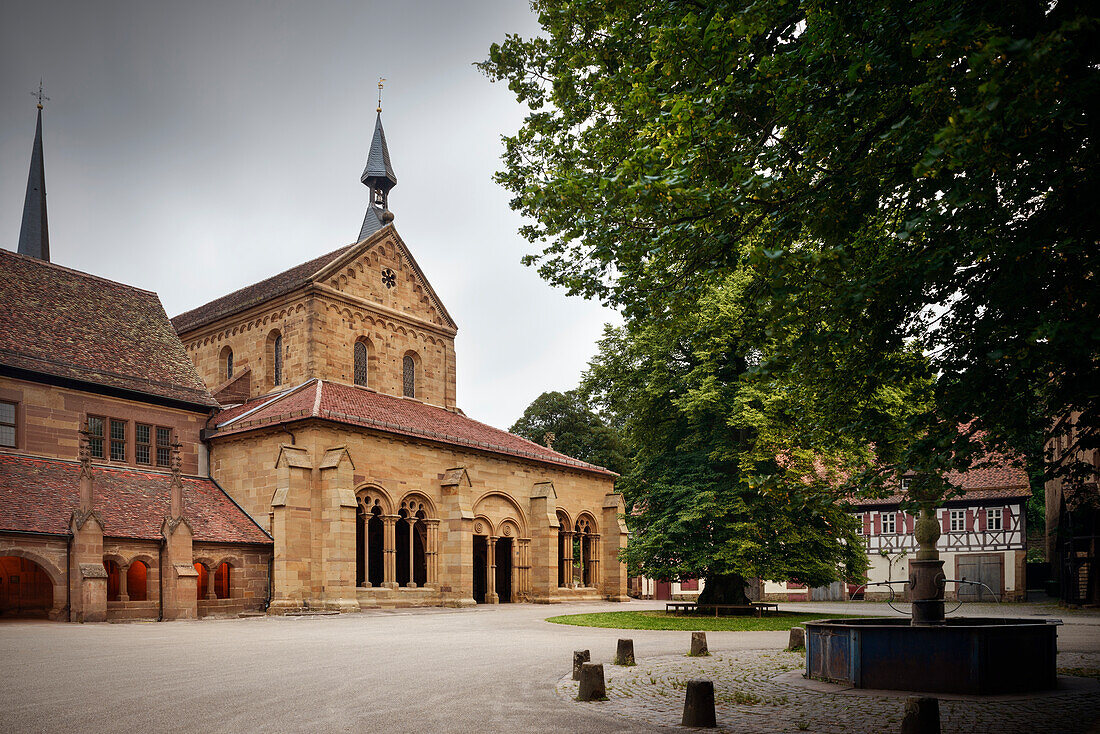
x: 379, y: 176
x: 34, y: 234
x: 378, y: 173
x: 372, y: 222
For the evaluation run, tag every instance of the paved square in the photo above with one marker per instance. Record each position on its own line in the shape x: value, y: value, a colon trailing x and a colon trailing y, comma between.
x: 485, y: 669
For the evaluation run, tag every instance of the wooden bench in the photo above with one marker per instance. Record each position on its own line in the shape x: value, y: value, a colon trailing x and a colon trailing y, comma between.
x: 757, y: 608
x: 676, y: 607
x: 766, y: 606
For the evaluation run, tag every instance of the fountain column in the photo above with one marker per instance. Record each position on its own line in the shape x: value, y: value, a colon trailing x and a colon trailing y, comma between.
x: 926, y: 579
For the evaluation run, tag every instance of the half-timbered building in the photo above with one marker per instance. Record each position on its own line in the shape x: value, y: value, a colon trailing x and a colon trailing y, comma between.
x: 982, y: 541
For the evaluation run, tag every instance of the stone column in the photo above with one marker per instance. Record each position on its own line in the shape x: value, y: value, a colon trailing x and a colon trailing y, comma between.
x: 567, y: 558
x: 544, y: 543
x: 87, y: 575
x: 291, y: 519
x: 491, y: 570
x: 390, y: 544
x: 431, y: 553
x: 412, y: 556
x: 366, y: 551
x: 211, y: 574
x: 122, y: 595
x: 335, y: 539
x: 612, y: 578
x: 594, y: 560
x: 456, y: 545
x: 524, y: 567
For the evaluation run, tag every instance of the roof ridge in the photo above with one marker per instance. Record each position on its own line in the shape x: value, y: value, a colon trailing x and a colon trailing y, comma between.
x: 326, y: 256
x: 92, y: 276
x: 104, y: 372
x: 274, y: 399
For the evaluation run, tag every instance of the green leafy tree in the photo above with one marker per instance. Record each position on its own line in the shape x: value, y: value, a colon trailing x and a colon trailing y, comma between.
x: 719, y: 487
x: 899, y: 175
x: 578, y: 432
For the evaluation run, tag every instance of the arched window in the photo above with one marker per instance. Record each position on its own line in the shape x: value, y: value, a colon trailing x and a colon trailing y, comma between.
x: 112, y: 580
x: 221, y: 581
x: 275, y: 358
x: 203, y: 578
x: 226, y: 363
x: 136, y: 577
x: 361, y: 359
x: 582, y: 550
x: 409, y: 376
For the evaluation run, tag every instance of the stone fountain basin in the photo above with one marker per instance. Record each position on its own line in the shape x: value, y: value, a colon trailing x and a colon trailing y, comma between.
x: 974, y: 655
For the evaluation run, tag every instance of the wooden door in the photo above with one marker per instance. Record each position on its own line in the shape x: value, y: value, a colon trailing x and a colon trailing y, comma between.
x: 981, y: 567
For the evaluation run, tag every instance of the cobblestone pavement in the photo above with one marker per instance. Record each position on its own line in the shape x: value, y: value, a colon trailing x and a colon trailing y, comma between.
x: 759, y: 691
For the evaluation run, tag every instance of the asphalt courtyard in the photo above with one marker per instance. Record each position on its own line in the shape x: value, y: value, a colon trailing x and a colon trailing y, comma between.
x: 486, y: 669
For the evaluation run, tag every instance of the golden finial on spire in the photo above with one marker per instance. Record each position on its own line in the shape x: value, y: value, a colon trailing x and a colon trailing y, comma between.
x: 40, y: 95
x: 380, y: 81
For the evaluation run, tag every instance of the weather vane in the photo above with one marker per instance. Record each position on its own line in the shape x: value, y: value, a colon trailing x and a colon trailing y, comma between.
x: 42, y: 96
x: 380, y: 81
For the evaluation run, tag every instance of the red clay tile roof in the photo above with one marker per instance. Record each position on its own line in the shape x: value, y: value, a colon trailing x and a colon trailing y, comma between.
x: 971, y: 494
x: 360, y: 407
x: 39, y: 495
x: 73, y: 325
x: 256, y: 293
x: 1003, y: 481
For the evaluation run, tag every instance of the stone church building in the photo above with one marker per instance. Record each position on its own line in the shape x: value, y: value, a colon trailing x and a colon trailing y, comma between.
x: 294, y: 445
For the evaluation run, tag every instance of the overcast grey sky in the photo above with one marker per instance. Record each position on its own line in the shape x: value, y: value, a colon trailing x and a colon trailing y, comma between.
x: 192, y: 148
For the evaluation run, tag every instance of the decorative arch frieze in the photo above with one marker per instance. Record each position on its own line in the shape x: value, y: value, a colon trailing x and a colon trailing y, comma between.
x: 371, y: 494
x: 500, y: 506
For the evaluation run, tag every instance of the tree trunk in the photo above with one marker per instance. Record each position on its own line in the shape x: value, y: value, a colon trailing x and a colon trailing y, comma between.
x: 724, y: 589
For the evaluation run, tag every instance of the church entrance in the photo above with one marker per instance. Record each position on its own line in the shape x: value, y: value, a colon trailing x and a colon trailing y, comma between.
x: 25, y: 589
x: 503, y: 557
x: 481, y: 568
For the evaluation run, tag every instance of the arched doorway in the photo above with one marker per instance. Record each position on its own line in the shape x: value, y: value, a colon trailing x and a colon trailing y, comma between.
x: 26, y: 590
x: 503, y: 557
x: 481, y: 568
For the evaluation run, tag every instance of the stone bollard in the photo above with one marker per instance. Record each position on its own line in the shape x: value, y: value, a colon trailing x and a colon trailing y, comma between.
x: 699, y: 645
x: 699, y: 704
x: 592, y: 687
x: 798, y: 638
x: 624, y: 653
x: 922, y: 716
x: 579, y: 658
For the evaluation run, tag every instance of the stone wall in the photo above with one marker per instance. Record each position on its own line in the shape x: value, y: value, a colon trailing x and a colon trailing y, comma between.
x: 321, y: 322
x: 49, y: 554
x: 248, y: 578
x: 492, y: 495
x: 48, y: 421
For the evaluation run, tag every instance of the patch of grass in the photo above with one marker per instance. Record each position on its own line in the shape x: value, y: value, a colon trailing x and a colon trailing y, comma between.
x: 656, y: 620
x: 1081, y: 672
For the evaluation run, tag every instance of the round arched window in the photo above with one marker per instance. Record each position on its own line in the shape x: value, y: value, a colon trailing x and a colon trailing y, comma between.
x: 361, y: 363
x: 409, y: 376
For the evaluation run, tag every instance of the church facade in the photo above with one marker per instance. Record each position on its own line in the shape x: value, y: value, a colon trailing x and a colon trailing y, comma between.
x: 294, y: 445
x: 341, y: 436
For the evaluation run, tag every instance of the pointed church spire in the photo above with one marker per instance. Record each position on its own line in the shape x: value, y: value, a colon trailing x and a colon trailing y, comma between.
x: 34, y: 234
x: 378, y: 175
